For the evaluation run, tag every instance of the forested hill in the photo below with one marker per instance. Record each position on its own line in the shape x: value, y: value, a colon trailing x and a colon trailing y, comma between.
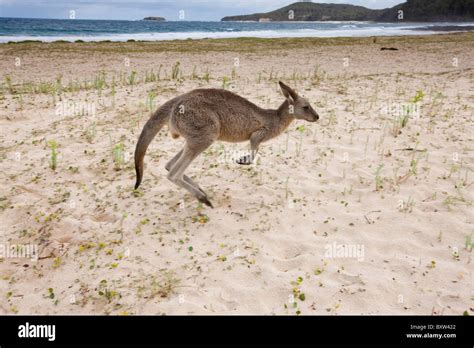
x: 307, y: 11
x: 413, y: 11
x: 431, y: 11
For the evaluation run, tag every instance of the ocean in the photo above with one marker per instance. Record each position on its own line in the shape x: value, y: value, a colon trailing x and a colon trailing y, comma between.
x: 20, y: 29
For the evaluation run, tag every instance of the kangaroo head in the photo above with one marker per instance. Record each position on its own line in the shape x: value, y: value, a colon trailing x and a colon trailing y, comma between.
x: 299, y: 107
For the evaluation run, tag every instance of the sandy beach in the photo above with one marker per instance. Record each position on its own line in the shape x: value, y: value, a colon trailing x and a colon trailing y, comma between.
x: 364, y: 212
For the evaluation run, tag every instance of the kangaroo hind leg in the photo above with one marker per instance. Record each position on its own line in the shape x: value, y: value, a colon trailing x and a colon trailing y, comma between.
x: 176, y: 173
x: 185, y: 177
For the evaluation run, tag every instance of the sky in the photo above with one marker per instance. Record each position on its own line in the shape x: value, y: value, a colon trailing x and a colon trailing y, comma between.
x: 197, y: 10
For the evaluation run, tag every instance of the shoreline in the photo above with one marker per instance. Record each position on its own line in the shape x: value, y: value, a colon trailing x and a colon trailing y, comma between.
x: 245, y: 41
x: 448, y: 28
x: 201, y: 36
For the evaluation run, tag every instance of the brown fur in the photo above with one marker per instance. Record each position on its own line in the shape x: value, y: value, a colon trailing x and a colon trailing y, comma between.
x: 203, y: 116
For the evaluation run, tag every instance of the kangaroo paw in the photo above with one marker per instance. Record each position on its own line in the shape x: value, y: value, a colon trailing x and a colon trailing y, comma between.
x: 205, y: 201
x: 245, y: 160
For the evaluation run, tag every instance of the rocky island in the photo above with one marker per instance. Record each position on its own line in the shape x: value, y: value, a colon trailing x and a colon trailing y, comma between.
x: 158, y: 19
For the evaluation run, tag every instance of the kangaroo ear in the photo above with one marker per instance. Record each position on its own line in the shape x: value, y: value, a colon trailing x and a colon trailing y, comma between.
x: 289, y: 93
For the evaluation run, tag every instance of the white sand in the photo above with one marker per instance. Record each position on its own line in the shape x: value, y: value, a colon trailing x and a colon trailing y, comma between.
x: 272, y: 222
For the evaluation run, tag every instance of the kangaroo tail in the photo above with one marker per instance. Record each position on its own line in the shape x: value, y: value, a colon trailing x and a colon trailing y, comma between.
x: 151, y: 128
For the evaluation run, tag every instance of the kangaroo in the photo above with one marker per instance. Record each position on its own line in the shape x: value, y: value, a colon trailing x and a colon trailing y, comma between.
x: 203, y: 116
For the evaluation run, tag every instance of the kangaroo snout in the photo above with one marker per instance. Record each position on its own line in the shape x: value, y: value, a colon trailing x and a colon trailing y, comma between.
x: 314, y: 117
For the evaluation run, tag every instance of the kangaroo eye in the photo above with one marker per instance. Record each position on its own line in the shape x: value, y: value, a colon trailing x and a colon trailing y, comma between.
x: 306, y: 107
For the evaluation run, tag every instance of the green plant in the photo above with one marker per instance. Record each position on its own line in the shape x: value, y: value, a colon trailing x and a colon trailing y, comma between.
x: 118, y: 155
x: 194, y: 75
x: 21, y: 101
x: 206, y: 76
x: 150, y: 76
x: 403, y: 120
x: 406, y: 111
x: 301, y: 129
x: 378, y: 178
x: 166, y: 286
x: 113, y: 91
x: 131, y: 78
x: 59, y: 86
x: 175, y: 71
x: 397, y: 124
x: 150, y: 101
x: 414, y: 166
x: 8, y: 81
x: 225, y: 82
x: 468, y: 243
x: 100, y: 81
x: 54, y: 154
x: 159, y: 72
x: 105, y: 291
x: 296, y: 295
x: 51, y: 293
x: 318, y: 75
x: 418, y: 97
